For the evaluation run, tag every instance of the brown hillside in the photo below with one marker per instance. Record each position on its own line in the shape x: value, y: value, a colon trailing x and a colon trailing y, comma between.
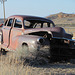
x: 60, y: 15
x: 63, y: 18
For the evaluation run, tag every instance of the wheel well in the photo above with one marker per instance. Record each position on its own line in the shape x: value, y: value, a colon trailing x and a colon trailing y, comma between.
x: 24, y: 44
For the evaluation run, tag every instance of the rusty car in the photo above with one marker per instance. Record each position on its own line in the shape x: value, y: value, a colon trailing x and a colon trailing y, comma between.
x: 36, y: 33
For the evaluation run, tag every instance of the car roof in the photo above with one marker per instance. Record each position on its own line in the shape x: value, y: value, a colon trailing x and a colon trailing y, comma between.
x: 27, y: 17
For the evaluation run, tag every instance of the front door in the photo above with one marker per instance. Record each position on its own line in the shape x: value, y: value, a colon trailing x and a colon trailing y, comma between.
x: 16, y: 31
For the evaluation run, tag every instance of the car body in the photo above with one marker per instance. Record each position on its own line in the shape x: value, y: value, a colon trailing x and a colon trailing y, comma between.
x: 36, y: 33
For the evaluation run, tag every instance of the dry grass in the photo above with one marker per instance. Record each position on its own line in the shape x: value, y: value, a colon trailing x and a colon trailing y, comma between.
x: 17, y: 68
x: 11, y: 64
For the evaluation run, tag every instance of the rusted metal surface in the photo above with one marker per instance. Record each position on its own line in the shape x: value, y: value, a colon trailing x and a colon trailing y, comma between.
x: 15, y: 33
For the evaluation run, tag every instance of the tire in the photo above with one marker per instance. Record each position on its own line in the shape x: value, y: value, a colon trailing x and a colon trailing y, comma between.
x: 3, y: 52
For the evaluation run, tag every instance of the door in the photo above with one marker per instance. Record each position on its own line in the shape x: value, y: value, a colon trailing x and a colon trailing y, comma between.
x: 6, y: 32
x: 16, y: 31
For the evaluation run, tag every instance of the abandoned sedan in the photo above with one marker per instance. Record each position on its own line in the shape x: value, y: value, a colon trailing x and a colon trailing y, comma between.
x: 36, y: 33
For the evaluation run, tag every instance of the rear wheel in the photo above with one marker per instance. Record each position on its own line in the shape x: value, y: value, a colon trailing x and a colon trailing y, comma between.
x: 3, y: 52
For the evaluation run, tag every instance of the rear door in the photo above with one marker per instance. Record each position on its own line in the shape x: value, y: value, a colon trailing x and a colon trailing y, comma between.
x: 6, y: 32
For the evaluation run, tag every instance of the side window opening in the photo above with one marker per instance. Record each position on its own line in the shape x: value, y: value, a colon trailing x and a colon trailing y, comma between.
x: 38, y: 25
x: 33, y: 24
x: 51, y: 25
x: 18, y: 23
x: 45, y: 25
x: 10, y: 22
x: 26, y: 24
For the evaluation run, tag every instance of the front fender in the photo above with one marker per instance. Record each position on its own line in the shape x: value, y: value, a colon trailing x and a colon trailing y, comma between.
x: 30, y: 40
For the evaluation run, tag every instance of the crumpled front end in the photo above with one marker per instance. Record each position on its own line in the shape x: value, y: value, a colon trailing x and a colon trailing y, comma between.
x: 40, y: 47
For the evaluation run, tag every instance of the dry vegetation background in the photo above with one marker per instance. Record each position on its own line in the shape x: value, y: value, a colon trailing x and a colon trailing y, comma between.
x: 15, y: 64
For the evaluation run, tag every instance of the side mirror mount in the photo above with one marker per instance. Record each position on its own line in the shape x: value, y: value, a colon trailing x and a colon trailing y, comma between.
x: 1, y: 25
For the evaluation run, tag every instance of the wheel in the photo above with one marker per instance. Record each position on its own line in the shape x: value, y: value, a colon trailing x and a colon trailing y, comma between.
x: 3, y: 52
